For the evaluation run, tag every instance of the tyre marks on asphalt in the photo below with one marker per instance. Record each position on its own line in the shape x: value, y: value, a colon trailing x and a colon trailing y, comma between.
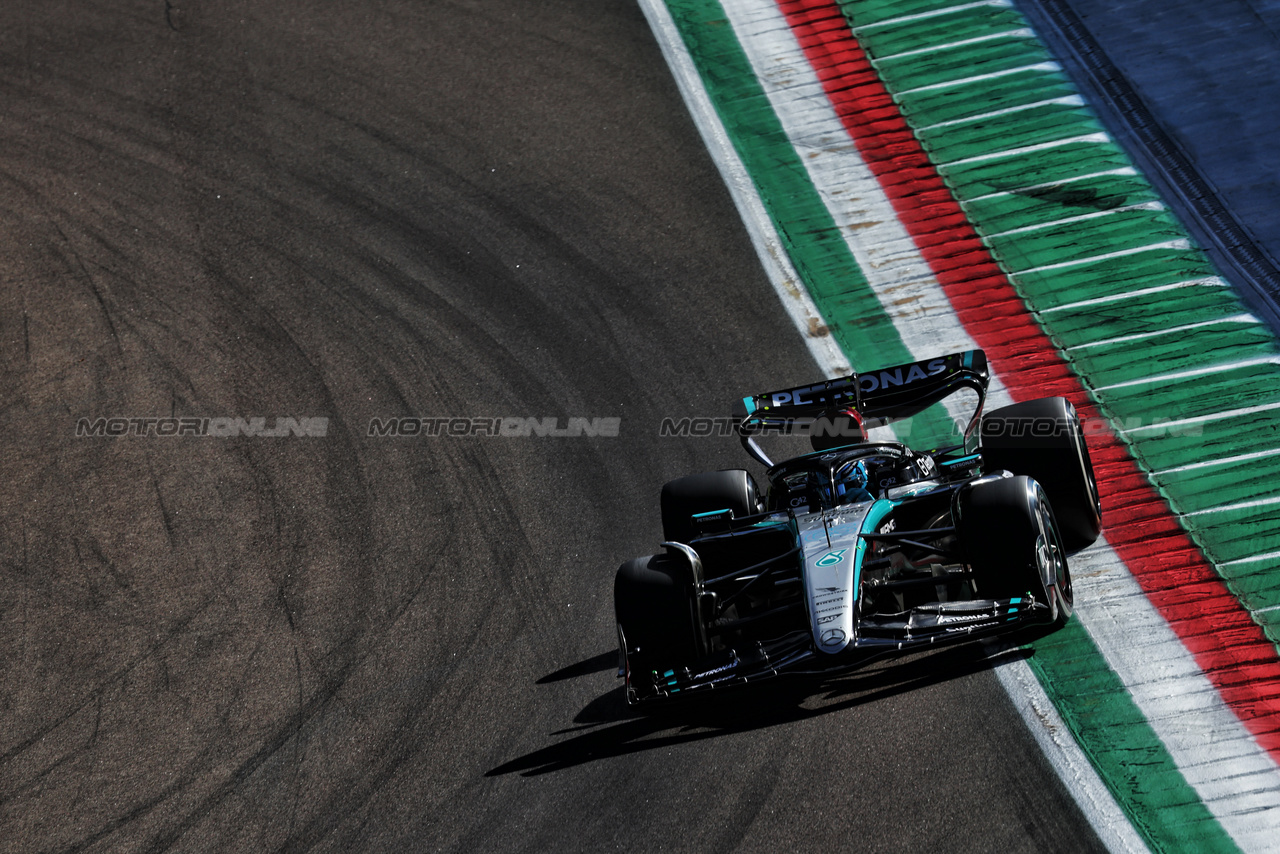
x: 409, y: 210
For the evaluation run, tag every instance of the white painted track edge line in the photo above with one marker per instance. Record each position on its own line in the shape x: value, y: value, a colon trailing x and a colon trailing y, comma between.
x: 1221, y: 461
x: 1072, y: 220
x: 1100, y: 138
x: 1254, y: 559
x: 1123, y: 170
x: 1200, y: 419
x: 1020, y: 33
x: 782, y: 275
x: 1046, y: 67
x: 1239, y: 505
x: 1067, y: 759
x: 1180, y: 244
x: 1159, y: 333
x: 1196, y: 372
x: 1207, y: 282
x: 1065, y: 101
x: 1087, y: 790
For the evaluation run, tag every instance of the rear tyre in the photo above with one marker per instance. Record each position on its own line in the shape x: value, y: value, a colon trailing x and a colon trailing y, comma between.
x: 1007, y: 529
x: 1042, y: 439
x: 654, y: 607
x: 733, y: 489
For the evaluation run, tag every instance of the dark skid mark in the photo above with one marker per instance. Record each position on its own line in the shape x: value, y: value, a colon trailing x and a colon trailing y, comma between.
x: 1073, y: 197
x: 752, y: 707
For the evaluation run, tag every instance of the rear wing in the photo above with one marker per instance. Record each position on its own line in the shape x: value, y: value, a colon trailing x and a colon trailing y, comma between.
x: 896, y: 392
x: 904, y: 390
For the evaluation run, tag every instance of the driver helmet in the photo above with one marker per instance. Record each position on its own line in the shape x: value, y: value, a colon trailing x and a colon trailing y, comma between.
x: 837, y: 428
x: 851, y: 483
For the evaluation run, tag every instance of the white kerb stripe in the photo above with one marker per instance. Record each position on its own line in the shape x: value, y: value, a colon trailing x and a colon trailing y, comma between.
x: 792, y: 87
x: 883, y: 249
x: 786, y: 282
x: 1237, y: 779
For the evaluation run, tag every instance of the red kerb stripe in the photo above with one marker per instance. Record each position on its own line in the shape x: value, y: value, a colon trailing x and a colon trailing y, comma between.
x: 1230, y: 648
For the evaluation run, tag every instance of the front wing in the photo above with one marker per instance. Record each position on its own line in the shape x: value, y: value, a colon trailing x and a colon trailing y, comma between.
x: 876, y: 637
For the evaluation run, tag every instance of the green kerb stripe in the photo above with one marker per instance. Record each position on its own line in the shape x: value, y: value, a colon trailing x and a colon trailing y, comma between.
x: 1118, y: 741
x: 1110, y: 727
x: 1088, y: 245
x: 814, y: 244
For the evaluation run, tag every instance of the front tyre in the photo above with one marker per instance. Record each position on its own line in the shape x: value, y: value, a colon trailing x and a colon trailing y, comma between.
x: 654, y: 608
x: 1011, y: 538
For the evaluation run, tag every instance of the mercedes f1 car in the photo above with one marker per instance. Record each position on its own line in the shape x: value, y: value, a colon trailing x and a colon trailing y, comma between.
x: 860, y: 548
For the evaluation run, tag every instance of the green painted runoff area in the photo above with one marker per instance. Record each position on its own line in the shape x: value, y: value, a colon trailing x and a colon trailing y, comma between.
x: 1163, y: 342
x: 812, y: 240
x: 1049, y: 209
x: 1108, y: 725
x: 1102, y: 264
x: 1112, y: 731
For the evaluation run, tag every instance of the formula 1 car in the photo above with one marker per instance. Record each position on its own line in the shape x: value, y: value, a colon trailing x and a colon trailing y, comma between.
x: 861, y: 548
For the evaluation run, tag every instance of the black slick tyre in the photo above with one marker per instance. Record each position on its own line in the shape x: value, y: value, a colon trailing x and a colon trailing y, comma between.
x: 1042, y: 439
x: 732, y: 489
x: 1008, y: 532
x: 654, y: 607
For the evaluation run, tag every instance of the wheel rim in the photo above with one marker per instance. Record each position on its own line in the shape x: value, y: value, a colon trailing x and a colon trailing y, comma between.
x: 1058, y: 570
x: 1064, y: 580
x: 1044, y: 556
x: 1051, y: 562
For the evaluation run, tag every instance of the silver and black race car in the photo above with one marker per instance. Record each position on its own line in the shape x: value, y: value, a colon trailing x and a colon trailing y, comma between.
x: 861, y: 547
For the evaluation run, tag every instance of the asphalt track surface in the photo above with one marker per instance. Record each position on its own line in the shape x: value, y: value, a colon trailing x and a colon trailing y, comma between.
x: 351, y: 643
